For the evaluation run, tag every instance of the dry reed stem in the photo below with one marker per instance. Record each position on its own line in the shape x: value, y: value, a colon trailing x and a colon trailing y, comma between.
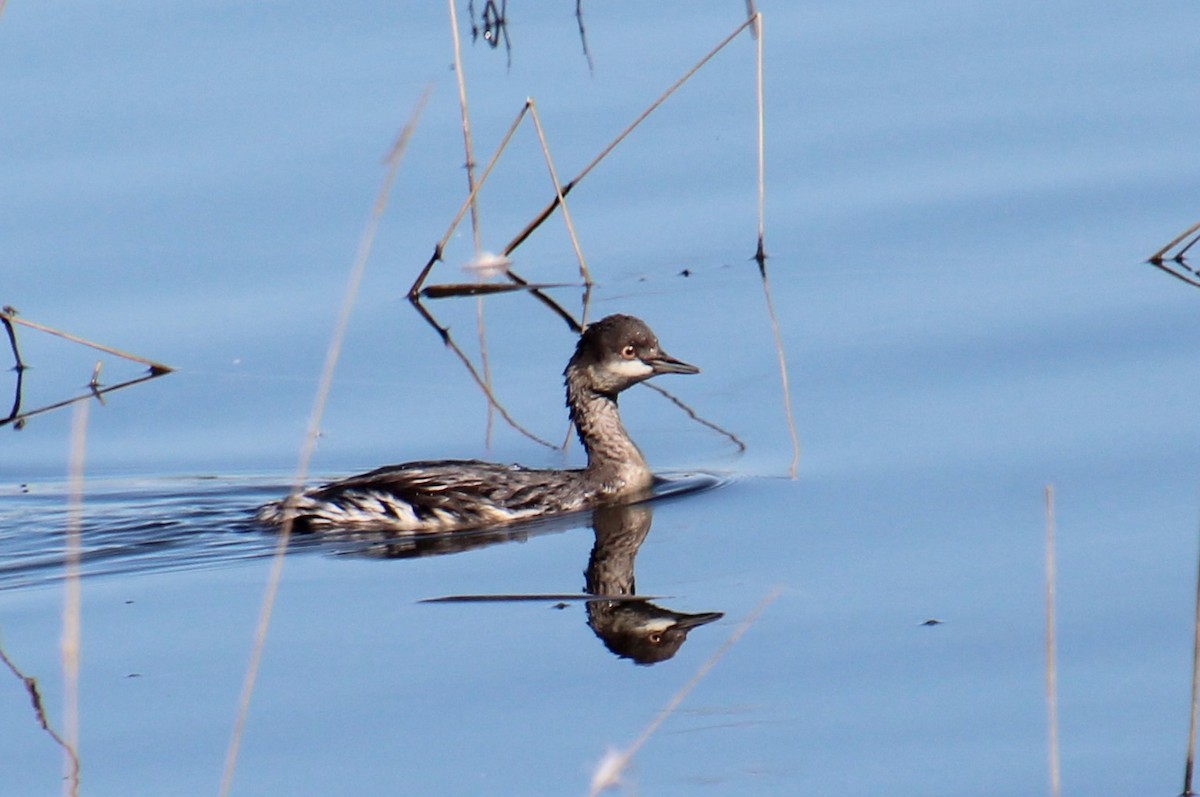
x: 762, y: 158
x: 549, y: 208
x: 72, y: 599
x: 464, y: 112
x: 754, y: 22
x: 1051, y: 663
x: 1189, y: 767
x: 393, y: 159
x: 448, y: 290
x: 415, y: 290
x: 760, y: 254
x: 584, y: 274
x: 466, y: 122
x: 154, y: 366
x: 608, y: 775
x: 39, y: 711
x: 96, y: 393
x: 1157, y: 257
x: 1179, y: 255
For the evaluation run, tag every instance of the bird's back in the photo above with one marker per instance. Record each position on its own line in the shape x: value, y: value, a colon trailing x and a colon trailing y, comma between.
x: 442, y: 495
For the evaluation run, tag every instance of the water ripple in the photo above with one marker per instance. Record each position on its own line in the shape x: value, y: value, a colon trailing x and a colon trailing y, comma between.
x: 159, y: 524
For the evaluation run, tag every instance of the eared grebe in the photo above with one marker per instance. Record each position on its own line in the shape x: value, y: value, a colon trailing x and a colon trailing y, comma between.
x: 613, y: 354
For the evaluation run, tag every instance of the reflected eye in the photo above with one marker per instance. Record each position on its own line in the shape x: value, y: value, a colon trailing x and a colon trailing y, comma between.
x: 629, y: 352
x: 655, y: 638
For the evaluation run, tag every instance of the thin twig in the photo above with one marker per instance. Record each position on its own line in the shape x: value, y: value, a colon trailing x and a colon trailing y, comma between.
x: 394, y: 157
x: 761, y: 252
x: 457, y: 289
x: 39, y: 712
x: 154, y: 366
x: 549, y: 208
x: 558, y: 193
x: 1051, y: 665
x: 1190, y: 766
x: 561, y: 192
x: 466, y: 123
x: 609, y: 773
x: 19, y: 418
x: 460, y: 74
x: 415, y: 289
x: 1179, y: 255
x: 1157, y: 257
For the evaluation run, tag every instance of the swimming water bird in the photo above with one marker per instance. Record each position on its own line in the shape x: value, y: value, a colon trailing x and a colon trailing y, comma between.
x: 612, y: 355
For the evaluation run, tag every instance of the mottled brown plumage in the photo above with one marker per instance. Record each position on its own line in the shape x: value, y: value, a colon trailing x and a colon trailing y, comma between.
x: 613, y: 354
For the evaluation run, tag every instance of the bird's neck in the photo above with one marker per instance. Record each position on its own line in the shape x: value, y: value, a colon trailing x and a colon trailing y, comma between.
x: 614, y: 460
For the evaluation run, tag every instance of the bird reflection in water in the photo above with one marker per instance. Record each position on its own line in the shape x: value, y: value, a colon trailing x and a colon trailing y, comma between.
x: 630, y: 627
x: 633, y: 629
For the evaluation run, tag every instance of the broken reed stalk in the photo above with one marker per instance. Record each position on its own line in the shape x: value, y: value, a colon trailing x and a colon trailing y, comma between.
x: 760, y: 254
x: 1051, y: 664
x: 1189, y: 767
x: 417, y: 290
x: 1184, y: 250
x: 460, y: 75
x: 757, y: 30
x: 414, y: 291
x: 39, y: 712
x: 1157, y: 257
x: 608, y: 774
x: 561, y: 190
x: 466, y: 123
x: 394, y: 157
x: 584, y: 274
x: 155, y: 367
x: 549, y: 208
x: 71, y: 622
x: 93, y: 392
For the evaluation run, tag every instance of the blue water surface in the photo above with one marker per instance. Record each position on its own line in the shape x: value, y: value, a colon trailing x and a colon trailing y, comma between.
x: 959, y: 202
